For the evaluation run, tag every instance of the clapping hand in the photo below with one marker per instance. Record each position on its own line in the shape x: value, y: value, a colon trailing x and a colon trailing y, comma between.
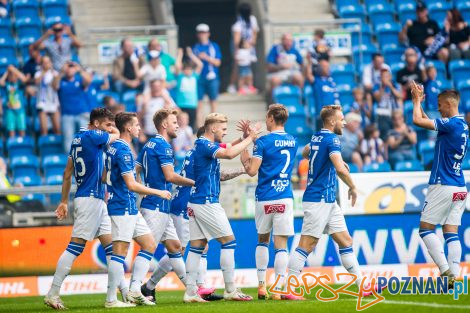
x: 417, y: 92
x: 244, y: 127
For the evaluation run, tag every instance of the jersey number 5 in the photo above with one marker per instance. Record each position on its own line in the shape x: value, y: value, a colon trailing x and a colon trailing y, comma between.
x: 79, y: 161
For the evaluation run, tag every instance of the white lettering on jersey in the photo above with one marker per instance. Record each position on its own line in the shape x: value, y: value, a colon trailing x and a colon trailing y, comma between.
x: 284, y: 143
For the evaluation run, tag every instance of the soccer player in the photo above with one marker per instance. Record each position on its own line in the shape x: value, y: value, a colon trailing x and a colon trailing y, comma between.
x: 91, y: 219
x: 447, y: 192
x: 273, y: 160
x: 207, y: 218
x: 126, y: 221
x: 322, y: 215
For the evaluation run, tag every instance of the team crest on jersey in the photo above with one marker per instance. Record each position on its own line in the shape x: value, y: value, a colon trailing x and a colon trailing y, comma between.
x: 336, y: 142
x: 210, y: 145
x: 444, y: 120
x: 169, y: 151
x: 127, y: 158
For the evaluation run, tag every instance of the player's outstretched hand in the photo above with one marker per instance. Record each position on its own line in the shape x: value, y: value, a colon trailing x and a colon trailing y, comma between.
x: 165, y: 194
x: 417, y: 91
x: 61, y: 211
x: 244, y: 127
x: 352, y: 195
x: 255, y: 130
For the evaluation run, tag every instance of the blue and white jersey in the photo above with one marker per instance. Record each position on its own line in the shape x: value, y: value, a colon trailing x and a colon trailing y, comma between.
x: 87, y: 151
x: 120, y: 162
x: 179, y: 203
x: 321, y: 184
x: 277, y: 151
x: 451, y: 146
x: 156, y: 154
x: 206, y: 172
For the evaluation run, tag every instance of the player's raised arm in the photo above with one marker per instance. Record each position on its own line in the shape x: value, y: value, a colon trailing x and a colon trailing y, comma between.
x: 233, y: 151
x: 343, y: 174
x: 251, y: 164
x: 172, y: 177
x: 134, y: 186
x: 231, y: 174
x: 62, y: 208
x: 113, y: 134
x: 419, y: 119
x: 306, y: 151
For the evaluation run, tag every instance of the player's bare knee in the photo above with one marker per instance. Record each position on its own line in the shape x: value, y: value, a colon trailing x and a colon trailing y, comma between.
x: 105, y: 239
x: 264, y: 238
x: 450, y: 228
x: 424, y: 225
x: 78, y: 240
x: 343, y: 239
x: 280, y: 242
x: 226, y: 239
x: 120, y: 247
x: 173, y: 246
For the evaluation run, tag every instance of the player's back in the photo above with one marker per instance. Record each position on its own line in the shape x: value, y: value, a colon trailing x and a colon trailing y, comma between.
x: 206, y: 172
x: 277, y: 151
x: 181, y: 197
x: 321, y: 185
x: 120, y: 162
x: 156, y: 154
x: 87, y: 151
x: 450, y: 149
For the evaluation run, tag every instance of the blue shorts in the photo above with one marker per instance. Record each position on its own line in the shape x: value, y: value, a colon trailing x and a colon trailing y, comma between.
x: 209, y: 88
x: 244, y: 71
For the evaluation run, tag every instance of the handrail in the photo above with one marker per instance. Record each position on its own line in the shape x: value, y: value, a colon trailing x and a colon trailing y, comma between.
x: 34, y: 189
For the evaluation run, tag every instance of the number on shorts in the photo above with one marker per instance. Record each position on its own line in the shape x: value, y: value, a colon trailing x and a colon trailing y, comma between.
x: 424, y: 206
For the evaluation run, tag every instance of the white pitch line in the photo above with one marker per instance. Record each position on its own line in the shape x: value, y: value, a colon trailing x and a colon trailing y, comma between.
x: 425, y: 304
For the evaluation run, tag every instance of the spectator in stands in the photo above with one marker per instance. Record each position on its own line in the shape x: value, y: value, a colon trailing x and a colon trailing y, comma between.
x: 73, y: 99
x: 152, y: 70
x: 371, y: 72
x: 401, y: 141
x: 285, y: 63
x: 319, y: 50
x: 422, y: 32
x: 157, y: 99
x: 30, y: 68
x: 15, y: 117
x: 388, y: 96
x: 431, y: 91
x: 4, y: 13
x: 208, y: 84
x: 411, y: 72
x: 187, y: 75
x: 362, y: 105
x: 166, y: 60
x: 126, y: 68
x: 459, y: 35
x: 94, y: 87
x: 324, y: 86
x: 245, y: 28
x: 372, y: 146
x: 245, y: 58
x: 58, y: 48
x: 47, y: 99
x: 185, y: 137
x: 111, y: 104
x: 350, y: 139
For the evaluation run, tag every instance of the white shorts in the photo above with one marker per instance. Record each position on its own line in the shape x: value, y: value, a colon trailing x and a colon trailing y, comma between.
x: 208, y: 221
x: 91, y: 218
x: 322, y: 218
x: 182, y: 228
x: 444, y: 205
x: 127, y: 227
x: 160, y: 224
x: 276, y: 216
x: 48, y: 107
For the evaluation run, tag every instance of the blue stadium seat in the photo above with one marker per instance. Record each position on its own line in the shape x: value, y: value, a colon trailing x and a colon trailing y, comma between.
x: 464, y: 89
x: 365, y: 32
x: 367, y: 51
x: 297, y: 126
x: 97, y: 81
x: 381, y: 13
x: 289, y: 95
x: 395, y: 67
x: 406, y: 11
x: 5, y: 27
x: 444, y: 84
x: 408, y: 166
x: 377, y: 167
x: 345, y: 94
x: 426, y: 151
x: 24, y: 165
x: 353, y: 168
x: 369, y: 3
x: 438, y: 11
x: 54, y: 8
x: 387, y: 33
x: 4, y: 62
x: 23, y: 47
x: 351, y: 11
x: 64, y: 19
x: 7, y: 48
x: 464, y: 8
x: 343, y: 73
x: 128, y: 99
x: 440, y: 68
x: 309, y: 100
x: 20, y: 146
x: 27, y: 181
x: 50, y: 145
x: 103, y: 93
x: 343, y: 3
x: 28, y: 27
x: 459, y: 70
x: 393, y: 53
x: 54, y: 164
x: 54, y: 180
x: 25, y: 8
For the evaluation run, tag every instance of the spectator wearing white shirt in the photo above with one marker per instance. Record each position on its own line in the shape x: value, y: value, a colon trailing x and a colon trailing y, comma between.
x: 185, y: 136
x: 245, y: 58
x: 371, y: 72
x: 245, y: 28
x: 154, y: 70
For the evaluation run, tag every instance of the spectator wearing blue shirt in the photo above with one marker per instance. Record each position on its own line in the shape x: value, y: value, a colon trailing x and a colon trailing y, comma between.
x: 71, y: 85
x: 209, y: 80
x: 431, y: 91
x: 285, y: 63
x: 31, y: 66
x: 401, y: 141
x: 15, y: 118
x: 388, y: 97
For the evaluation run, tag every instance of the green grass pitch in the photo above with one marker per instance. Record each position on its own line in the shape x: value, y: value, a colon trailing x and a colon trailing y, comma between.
x: 172, y: 302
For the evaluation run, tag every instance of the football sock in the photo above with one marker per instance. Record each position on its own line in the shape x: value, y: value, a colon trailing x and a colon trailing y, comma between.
x: 115, y: 275
x: 192, y: 265
x: 163, y: 268
x: 435, y: 249
x: 123, y: 287
x: 64, y: 265
x: 280, y: 265
x: 201, y: 274
x: 350, y: 263
x: 227, y: 264
x: 262, y: 259
x: 454, y: 252
x: 141, y: 268
x: 296, y: 262
x: 177, y: 263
